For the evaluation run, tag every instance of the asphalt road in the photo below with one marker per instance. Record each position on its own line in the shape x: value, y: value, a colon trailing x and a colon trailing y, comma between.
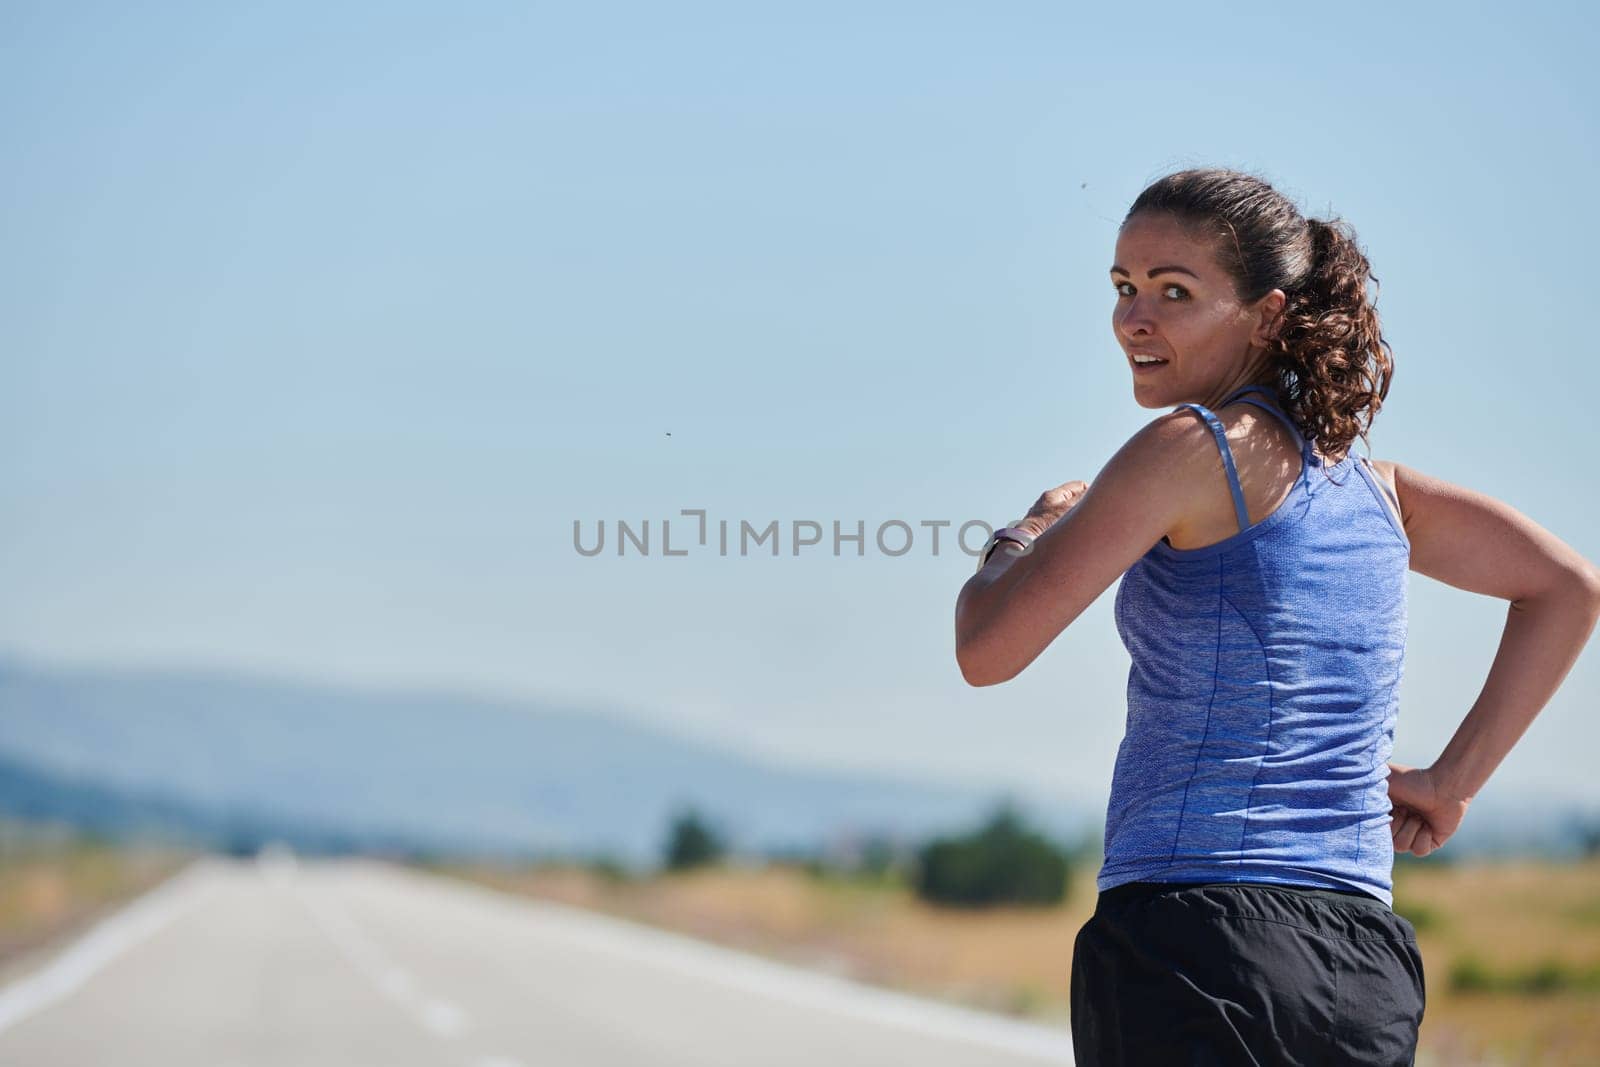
x: 346, y: 964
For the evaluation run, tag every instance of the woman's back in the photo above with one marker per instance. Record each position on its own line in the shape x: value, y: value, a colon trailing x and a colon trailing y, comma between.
x: 1263, y: 690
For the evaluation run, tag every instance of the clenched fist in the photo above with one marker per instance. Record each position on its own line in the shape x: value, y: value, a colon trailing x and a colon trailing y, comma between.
x: 1051, y: 505
x: 1424, y: 815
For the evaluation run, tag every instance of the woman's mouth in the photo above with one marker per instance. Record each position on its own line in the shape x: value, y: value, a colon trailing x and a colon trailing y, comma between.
x: 1145, y: 364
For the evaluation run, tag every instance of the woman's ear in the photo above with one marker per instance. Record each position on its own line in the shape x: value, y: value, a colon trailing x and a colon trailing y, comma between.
x: 1269, y: 317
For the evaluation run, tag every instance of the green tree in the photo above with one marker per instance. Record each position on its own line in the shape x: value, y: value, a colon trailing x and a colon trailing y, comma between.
x: 692, y: 842
x: 1004, y: 862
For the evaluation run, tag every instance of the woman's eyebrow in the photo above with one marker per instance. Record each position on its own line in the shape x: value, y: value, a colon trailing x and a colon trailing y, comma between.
x: 1171, y: 267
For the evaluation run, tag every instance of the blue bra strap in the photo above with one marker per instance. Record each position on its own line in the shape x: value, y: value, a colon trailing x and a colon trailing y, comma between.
x: 1227, y: 462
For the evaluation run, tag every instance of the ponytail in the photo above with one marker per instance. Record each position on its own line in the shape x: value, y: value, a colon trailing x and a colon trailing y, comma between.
x: 1333, y: 364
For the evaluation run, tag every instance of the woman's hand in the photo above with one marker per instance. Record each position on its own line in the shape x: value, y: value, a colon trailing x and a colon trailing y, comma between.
x: 1423, y: 815
x: 1051, y: 505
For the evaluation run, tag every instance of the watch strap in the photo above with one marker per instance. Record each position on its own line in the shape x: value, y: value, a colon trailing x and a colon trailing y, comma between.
x: 1015, y: 534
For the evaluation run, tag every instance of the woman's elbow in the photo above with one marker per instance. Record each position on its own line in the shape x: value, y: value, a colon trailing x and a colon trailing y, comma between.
x: 1590, y: 581
x: 976, y: 678
x: 979, y: 669
x: 982, y: 653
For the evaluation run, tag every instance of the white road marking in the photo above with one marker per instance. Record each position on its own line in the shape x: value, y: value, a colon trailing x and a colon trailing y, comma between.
x: 443, y: 1018
x: 113, y: 936
x: 440, y: 1018
x: 398, y: 985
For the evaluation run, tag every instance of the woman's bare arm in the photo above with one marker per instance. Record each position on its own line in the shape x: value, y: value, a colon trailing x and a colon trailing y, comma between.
x: 1012, y: 609
x: 1474, y: 542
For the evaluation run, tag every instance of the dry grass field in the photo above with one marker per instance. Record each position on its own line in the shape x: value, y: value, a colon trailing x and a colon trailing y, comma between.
x: 1512, y: 957
x: 50, y: 889
x: 1511, y: 950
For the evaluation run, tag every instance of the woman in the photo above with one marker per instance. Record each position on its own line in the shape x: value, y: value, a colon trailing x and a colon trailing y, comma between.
x: 1245, y: 905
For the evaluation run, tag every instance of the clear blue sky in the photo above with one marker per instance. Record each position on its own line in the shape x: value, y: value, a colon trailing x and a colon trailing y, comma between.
x: 320, y: 325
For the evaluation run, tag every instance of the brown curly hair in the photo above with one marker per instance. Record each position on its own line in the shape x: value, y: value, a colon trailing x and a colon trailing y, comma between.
x: 1331, y: 366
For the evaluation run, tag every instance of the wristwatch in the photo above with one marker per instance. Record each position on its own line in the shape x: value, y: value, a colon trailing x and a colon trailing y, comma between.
x: 1005, y: 533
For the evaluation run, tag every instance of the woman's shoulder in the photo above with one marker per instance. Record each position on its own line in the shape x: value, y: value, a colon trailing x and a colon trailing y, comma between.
x: 1173, y: 457
x: 1267, y: 460
x: 1171, y: 449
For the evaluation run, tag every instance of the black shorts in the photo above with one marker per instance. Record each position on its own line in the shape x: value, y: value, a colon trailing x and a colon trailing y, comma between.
x: 1244, y: 973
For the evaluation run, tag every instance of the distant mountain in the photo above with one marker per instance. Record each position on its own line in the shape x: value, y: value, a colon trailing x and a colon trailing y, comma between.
x: 222, y: 758
x: 29, y: 796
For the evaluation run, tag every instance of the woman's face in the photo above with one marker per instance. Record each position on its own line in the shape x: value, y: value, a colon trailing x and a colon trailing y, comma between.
x: 1175, y: 302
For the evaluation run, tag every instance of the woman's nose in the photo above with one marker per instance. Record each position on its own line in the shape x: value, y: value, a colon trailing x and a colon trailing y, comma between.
x: 1136, y: 320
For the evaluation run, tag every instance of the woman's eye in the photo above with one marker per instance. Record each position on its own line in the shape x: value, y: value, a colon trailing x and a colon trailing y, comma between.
x: 1126, y: 289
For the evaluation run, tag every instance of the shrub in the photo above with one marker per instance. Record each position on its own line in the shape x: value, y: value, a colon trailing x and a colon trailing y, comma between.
x: 1471, y: 975
x: 692, y: 842
x: 1004, y: 862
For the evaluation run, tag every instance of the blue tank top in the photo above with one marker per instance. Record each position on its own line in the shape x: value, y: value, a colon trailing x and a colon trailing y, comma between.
x: 1264, y: 689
